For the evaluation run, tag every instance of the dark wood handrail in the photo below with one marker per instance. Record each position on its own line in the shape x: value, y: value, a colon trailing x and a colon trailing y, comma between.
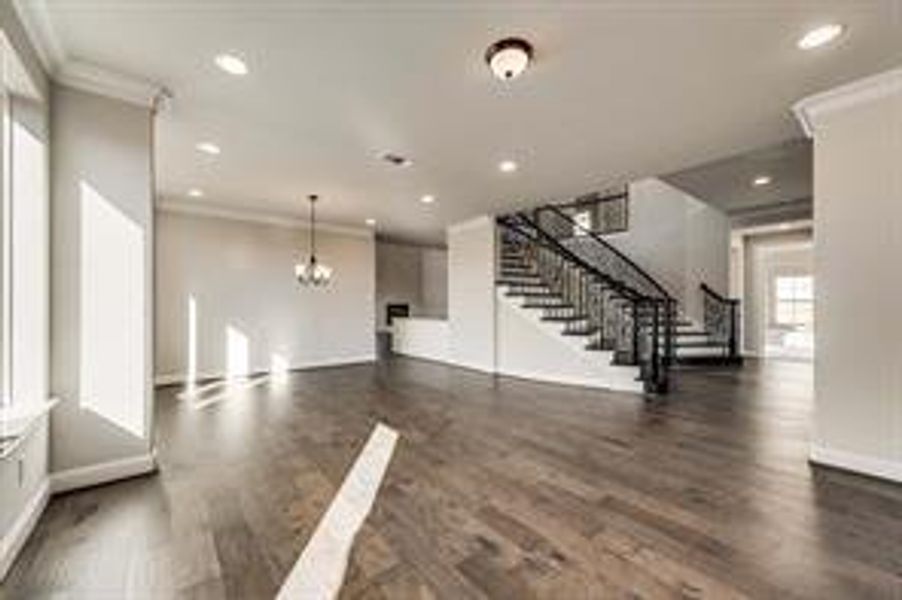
x: 570, y: 256
x: 707, y: 289
x: 648, y: 278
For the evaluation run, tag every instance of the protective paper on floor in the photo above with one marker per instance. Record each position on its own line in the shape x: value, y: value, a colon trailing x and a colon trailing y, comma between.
x: 320, y: 570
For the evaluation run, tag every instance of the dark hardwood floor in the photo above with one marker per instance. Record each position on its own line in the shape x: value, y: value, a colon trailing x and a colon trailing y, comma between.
x: 498, y: 488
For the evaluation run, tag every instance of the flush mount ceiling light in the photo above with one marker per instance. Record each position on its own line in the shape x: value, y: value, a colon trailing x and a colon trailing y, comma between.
x: 310, y: 272
x: 208, y: 148
x: 508, y: 58
x: 427, y: 199
x: 820, y: 36
x: 196, y: 193
x: 231, y: 64
x: 762, y: 180
x: 371, y: 222
x: 507, y: 166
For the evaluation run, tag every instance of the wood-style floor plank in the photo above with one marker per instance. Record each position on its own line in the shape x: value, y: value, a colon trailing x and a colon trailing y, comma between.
x: 499, y: 488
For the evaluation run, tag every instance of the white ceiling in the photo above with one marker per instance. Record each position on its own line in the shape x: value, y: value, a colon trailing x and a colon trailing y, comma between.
x: 619, y: 89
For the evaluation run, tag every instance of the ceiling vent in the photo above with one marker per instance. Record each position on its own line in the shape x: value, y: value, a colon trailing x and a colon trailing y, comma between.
x: 396, y: 159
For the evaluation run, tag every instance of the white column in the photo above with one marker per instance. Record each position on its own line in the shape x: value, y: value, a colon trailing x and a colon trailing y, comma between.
x: 857, y: 132
x: 471, y: 293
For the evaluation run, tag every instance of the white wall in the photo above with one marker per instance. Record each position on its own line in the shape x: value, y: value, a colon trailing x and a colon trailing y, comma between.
x: 30, y: 335
x: 471, y: 293
x: 678, y: 240
x: 858, y: 243
x: 102, y: 231
x: 531, y: 348
x: 24, y: 473
x: 248, y: 310
x: 421, y: 338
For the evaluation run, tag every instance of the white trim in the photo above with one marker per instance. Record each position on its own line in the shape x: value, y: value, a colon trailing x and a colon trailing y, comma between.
x: 180, y: 378
x: 615, y: 384
x: 95, y: 79
x: 320, y: 570
x: 809, y: 110
x: 859, y: 463
x: 470, y: 224
x: 35, y: 19
x: 256, y: 216
x: 105, y: 472
x: 79, y: 74
x: 11, y: 543
x: 472, y: 366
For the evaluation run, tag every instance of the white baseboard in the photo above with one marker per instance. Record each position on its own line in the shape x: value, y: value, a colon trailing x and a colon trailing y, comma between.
x: 181, y: 378
x: 858, y: 463
x: 11, y: 544
x: 623, y: 384
x: 468, y: 365
x: 82, y: 477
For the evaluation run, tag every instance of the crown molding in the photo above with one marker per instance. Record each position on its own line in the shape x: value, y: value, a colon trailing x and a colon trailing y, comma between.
x: 809, y: 111
x: 257, y: 217
x: 92, y: 78
x: 79, y: 74
x: 35, y: 19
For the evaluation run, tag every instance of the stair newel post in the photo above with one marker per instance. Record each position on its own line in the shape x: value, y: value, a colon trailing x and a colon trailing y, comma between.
x: 668, y: 330
x: 635, y: 310
x: 655, y: 345
x: 581, y: 292
x: 734, y: 330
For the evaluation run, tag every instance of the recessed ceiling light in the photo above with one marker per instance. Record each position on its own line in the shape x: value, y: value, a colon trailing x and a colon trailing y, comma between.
x: 427, y: 199
x: 231, y: 64
x: 820, y: 36
x: 196, y: 193
x: 761, y: 180
x: 370, y: 222
x: 508, y: 58
x: 507, y: 166
x: 208, y: 148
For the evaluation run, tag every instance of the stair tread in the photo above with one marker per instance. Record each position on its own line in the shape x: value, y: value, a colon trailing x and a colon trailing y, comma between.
x: 526, y: 283
x: 530, y: 293
x: 565, y: 318
x: 699, y: 344
x: 546, y: 305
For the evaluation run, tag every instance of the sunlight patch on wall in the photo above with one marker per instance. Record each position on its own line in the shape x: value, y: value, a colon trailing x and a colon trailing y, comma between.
x: 278, y: 367
x: 237, y: 363
x: 112, y: 305
x: 191, y: 371
x: 29, y: 286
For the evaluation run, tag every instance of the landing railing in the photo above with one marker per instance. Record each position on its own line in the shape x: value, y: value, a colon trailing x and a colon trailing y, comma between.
x: 595, y: 300
x: 721, y: 320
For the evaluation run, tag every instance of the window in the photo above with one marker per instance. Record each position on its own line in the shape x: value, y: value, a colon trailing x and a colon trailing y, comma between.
x: 582, y: 222
x: 794, y: 301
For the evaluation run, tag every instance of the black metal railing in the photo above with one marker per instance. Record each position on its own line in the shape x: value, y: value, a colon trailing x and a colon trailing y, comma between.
x: 721, y: 320
x: 596, y: 293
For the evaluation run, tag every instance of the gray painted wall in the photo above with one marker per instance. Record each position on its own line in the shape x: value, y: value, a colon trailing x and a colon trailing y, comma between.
x: 240, y: 276
x: 858, y: 242
x: 101, y: 173
x: 415, y: 275
x: 29, y: 375
x: 677, y: 239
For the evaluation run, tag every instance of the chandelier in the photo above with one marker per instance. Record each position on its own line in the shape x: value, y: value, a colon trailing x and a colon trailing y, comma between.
x: 311, y: 272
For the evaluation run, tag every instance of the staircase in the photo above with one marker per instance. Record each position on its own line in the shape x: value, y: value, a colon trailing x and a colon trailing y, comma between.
x: 573, y: 278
